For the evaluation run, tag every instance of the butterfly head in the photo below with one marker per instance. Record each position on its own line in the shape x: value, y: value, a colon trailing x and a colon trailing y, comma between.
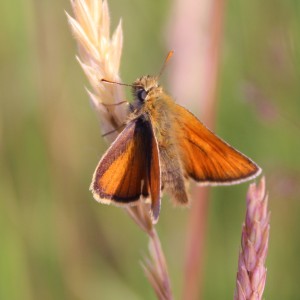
x: 146, y: 87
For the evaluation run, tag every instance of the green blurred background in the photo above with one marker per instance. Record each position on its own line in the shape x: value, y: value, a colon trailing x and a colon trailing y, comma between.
x: 56, y: 242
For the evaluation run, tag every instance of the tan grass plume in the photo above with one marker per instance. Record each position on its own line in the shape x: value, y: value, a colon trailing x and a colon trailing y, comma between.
x: 100, y: 56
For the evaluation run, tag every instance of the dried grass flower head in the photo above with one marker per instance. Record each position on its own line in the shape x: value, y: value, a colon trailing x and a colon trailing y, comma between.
x: 99, y: 57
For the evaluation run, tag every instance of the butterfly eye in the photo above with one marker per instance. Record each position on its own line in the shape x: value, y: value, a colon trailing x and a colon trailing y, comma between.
x: 141, y: 94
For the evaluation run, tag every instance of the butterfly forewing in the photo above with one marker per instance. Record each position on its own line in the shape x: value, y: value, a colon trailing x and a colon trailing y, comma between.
x: 208, y: 159
x: 128, y: 169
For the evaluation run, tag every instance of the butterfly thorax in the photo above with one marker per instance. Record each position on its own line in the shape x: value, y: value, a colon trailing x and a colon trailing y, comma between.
x: 152, y: 104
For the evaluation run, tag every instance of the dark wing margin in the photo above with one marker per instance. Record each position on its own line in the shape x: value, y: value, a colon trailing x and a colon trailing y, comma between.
x: 154, y: 178
x: 207, y: 158
x: 130, y: 168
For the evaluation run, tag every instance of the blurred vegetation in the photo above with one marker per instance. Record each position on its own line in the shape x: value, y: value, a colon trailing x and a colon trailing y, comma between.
x: 56, y: 241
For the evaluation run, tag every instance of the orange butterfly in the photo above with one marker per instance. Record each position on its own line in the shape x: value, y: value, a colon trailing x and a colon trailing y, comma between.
x: 163, y: 145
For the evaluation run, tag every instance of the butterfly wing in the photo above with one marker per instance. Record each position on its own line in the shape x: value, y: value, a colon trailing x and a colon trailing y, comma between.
x: 130, y: 168
x: 208, y: 159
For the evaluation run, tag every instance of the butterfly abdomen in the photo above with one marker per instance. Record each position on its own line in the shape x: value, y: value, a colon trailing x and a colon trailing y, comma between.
x: 172, y: 175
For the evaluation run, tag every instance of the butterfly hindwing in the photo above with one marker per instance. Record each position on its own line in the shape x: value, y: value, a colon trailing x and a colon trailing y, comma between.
x: 208, y: 159
x: 130, y: 168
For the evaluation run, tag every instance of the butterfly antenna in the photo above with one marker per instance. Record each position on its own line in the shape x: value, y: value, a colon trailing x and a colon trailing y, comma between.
x: 170, y: 54
x: 115, y: 82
